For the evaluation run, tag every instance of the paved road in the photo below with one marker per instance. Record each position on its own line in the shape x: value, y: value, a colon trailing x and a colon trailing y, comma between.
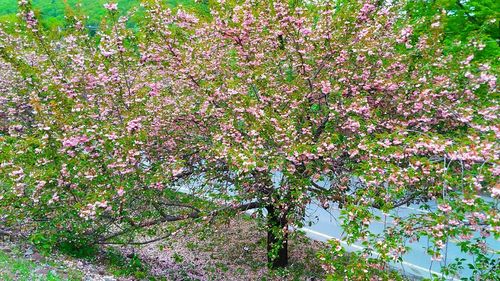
x: 416, y: 261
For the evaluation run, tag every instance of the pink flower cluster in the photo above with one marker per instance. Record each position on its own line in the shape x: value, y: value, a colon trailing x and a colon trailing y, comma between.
x: 75, y: 141
x: 111, y: 6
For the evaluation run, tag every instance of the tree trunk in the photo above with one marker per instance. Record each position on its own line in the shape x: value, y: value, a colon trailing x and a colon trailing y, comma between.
x: 277, y: 237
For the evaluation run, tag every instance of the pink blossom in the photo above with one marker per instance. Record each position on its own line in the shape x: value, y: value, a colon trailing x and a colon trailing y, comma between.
x: 393, y: 87
x: 469, y: 202
x: 405, y: 35
x: 365, y: 11
x: 111, y: 6
x: 495, y: 191
x: 326, y: 87
x: 468, y: 60
x: 74, y: 141
x: 306, y: 31
x: 444, y: 208
x: 134, y: 125
x: 120, y: 191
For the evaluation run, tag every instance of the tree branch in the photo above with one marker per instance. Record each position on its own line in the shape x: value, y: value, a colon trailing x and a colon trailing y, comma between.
x: 170, y: 218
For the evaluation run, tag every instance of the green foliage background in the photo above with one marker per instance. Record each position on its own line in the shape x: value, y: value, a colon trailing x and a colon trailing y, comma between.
x: 52, y: 11
x: 465, y: 18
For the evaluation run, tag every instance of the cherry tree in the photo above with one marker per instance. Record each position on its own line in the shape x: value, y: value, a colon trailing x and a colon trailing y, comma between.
x: 294, y: 95
x: 344, y: 93
x: 265, y: 105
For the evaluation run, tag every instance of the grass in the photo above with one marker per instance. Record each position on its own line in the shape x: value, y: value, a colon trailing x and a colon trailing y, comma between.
x: 14, y: 267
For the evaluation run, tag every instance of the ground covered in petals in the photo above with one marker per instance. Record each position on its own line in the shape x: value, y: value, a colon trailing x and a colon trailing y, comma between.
x: 234, y: 250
